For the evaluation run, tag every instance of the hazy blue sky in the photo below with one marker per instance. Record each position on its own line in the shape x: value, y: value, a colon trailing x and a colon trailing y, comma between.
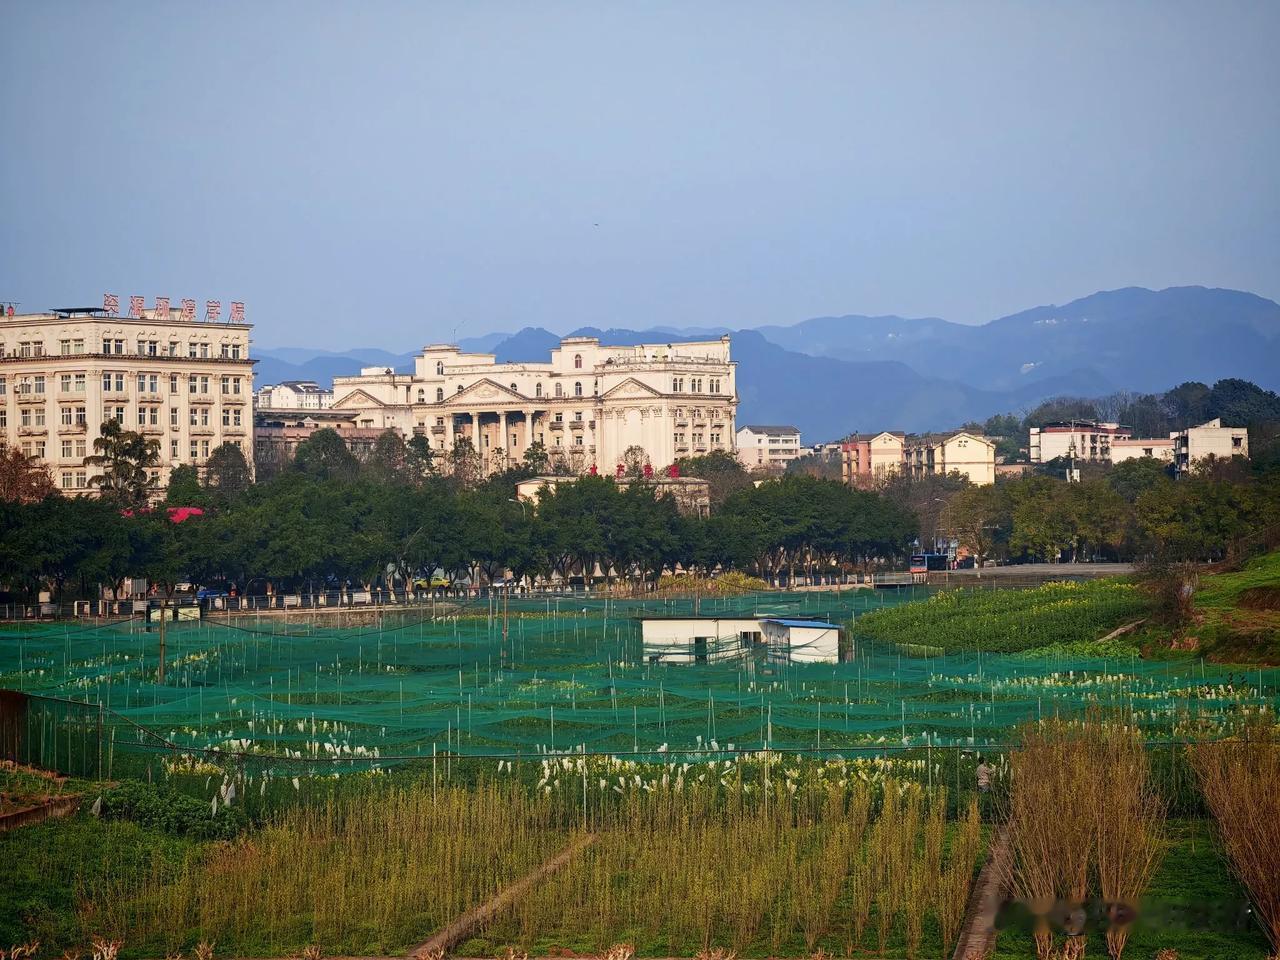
x: 383, y: 174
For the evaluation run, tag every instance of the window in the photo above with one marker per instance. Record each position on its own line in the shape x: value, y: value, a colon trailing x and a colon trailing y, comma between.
x: 173, y: 448
x: 173, y: 383
x: 577, y: 416
x: 173, y: 348
x: 191, y: 350
x: 577, y: 361
x: 235, y: 417
x: 226, y: 386
x: 559, y: 418
x: 80, y: 448
x: 577, y: 389
x: 77, y: 384
x: 677, y: 384
x: 226, y: 416
x: 24, y: 417
x: 195, y: 449
x: 439, y: 368
x: 193, y: 417
x: 119, y: 415
x: 537, y: 390
x: 235, y: 351
x: 514, y: 388
x: 81, y: 418
x: 235, y: 386
x: 142, y: 416
x: 422, y: 395
x: 67, y: 414
x: 559, y: 391
x: 4, y: 417
x: 577, y: 441
x: 39, y: 383
x: 64, y: 347
x: 39, y: 416
x: 2, y: 386
x: 695, y: 385
x: 173, y: 417
x: 192, y: 384
x: 439, y: 394
x: 66, y: 479
x: 64, y: 383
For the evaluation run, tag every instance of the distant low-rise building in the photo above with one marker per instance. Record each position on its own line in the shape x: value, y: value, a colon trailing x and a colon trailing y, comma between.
x: 277, y: 433
x: 1135, y: 448
x: 869, y: 459
x: 763, y: 447
x: 971, y: 455
x: 1210, y: 439
x: 1086, y: 440
x: 293, y: 395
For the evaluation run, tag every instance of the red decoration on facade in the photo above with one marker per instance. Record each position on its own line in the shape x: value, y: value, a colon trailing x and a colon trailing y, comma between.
x: 673, y: 471
x: 135, y: 307
x: 188, y: 310
x: 212, y: 309
x: 111, y: 303
x: 237, y: 311
x: 162, y: 308
x: 648, y: 471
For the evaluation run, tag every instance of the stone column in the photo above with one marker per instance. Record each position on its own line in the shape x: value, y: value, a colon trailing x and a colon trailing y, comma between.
x: 505, y: 447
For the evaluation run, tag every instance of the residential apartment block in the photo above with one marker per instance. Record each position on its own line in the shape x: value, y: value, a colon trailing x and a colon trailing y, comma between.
x: 1086, y: 440
x: 762, y: 447
x: 587, y: 405
x: 293, y: 395
x: 869, y: 459
x: 186, y: 384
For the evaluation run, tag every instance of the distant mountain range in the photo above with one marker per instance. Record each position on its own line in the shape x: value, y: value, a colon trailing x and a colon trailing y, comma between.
x: 833, y: 375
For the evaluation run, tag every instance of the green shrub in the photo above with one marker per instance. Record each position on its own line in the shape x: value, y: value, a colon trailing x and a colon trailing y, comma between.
x: 172, y: 812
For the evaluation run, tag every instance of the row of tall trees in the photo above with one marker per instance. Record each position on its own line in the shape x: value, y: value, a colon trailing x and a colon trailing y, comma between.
x: 1134, y: 510
x: 394, y: 518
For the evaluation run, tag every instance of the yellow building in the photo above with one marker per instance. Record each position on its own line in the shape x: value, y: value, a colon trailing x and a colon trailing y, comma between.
x: 587, y: 406
x: 187, y: 384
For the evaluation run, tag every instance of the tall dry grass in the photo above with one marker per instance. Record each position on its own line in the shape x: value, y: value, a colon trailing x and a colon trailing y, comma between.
x: 1240, y: 780
x: 1083, y: 815
x: 375, y: 870
x: 1129, y: 815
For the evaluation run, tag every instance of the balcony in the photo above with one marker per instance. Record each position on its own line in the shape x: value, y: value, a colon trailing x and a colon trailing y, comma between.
x: 235, y: 398
x: 556, y: 425
x: 438, y: 429
x: 236, y: 430
x: 32, y: 431
x: 577, y: 424
x: 29, y: 397
x: 73, y: 428
x: 682, y: 420
x: 151, y: 429
x: 201, y: 430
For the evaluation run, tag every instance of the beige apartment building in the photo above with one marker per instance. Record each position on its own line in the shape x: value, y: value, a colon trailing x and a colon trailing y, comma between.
x: 869, y: 459
x: 185, y: 383
x: 765, y: 447
x: 587, y: 405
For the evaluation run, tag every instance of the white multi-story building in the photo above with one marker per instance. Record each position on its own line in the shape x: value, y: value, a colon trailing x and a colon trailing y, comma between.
x: 187, y: 384
x: 293, y: 395
x: 763, y: 447
x: 1085, y: 440
x: 587, y: 406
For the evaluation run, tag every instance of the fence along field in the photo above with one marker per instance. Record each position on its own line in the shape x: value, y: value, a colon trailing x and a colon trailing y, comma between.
x: 571, y: 678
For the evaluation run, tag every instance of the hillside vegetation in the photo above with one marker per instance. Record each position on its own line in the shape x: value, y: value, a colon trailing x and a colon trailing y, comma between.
x: 1236, y: 617
x: 1010, y: 621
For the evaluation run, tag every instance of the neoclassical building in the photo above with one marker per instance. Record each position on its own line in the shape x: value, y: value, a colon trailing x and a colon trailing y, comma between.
x: 587, y: 406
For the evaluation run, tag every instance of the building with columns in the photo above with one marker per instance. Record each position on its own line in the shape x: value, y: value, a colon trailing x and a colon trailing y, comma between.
x: 185, y: 383
x: 587, y: 406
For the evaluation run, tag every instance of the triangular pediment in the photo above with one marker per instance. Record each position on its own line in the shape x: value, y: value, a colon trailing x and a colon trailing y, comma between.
x: 488, y: 391
x: 629, y: 389
x: 357, y: 398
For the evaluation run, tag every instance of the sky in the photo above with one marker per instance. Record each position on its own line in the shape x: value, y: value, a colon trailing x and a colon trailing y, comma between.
x: 387, y: 174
